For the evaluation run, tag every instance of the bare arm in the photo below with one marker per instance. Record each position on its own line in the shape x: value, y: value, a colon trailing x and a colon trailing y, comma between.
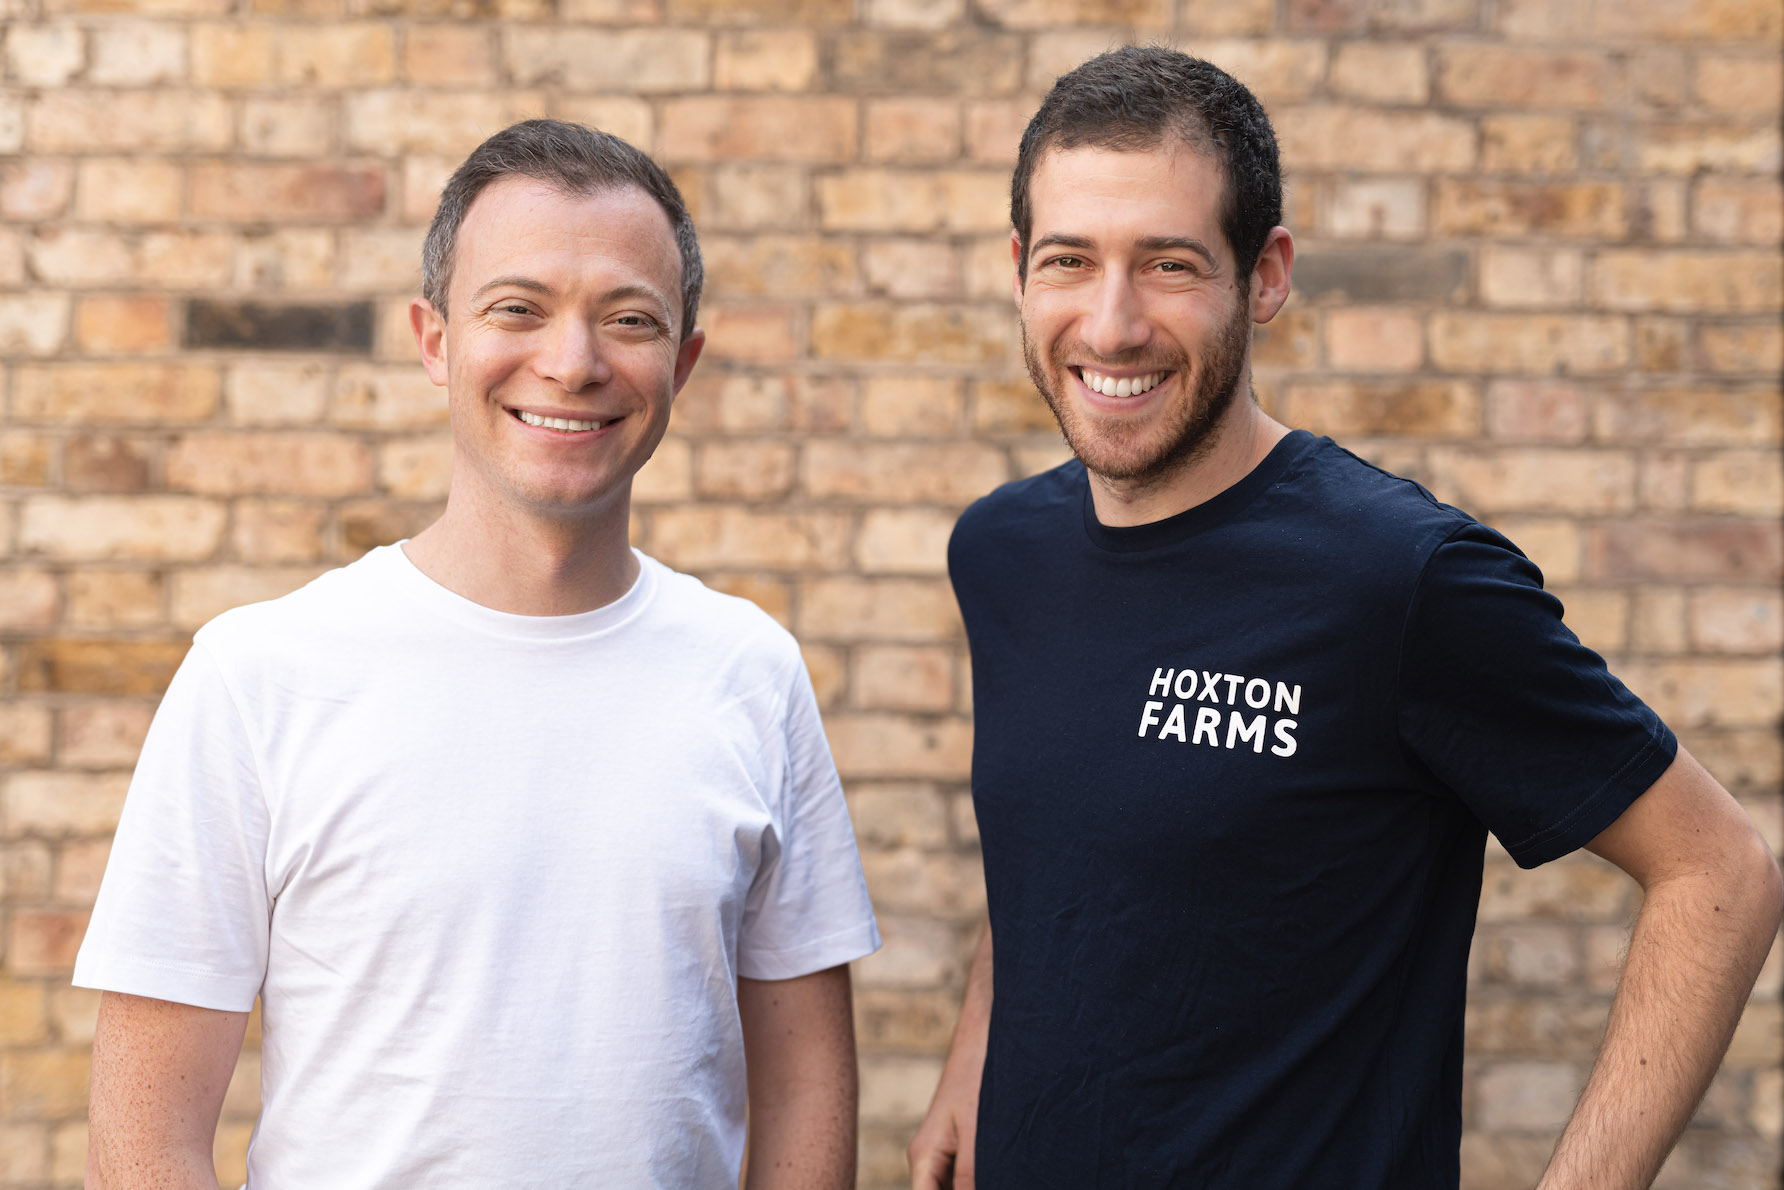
x: 159, y: 1073
x: 799, y: 1040
x: 941, y: 1154
x: 1711, y: 911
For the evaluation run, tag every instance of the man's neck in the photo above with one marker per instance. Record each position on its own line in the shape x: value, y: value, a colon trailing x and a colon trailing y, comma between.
x: 526, y: 564
x: 1236, y: 446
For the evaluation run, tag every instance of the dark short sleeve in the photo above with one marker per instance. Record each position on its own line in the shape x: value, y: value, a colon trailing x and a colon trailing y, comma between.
x: 1505, y: 706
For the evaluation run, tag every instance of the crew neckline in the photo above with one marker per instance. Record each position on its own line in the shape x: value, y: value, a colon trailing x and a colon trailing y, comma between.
x: 1202, y: 517
x: 512, y: 625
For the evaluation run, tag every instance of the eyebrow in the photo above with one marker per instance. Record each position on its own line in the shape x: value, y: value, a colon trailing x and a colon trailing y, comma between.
x: 1146, y: 244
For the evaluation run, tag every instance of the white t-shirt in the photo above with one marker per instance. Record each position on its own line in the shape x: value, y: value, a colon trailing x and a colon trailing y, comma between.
x: 493, y: 876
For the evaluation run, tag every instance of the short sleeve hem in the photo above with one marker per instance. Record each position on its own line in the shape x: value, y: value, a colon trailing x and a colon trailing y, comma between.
x: 1588, y: 820
x: 819, y: 954
x: 200, y: 989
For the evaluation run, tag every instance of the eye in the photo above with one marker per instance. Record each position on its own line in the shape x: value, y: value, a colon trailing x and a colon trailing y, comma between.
x: 1067, y: 262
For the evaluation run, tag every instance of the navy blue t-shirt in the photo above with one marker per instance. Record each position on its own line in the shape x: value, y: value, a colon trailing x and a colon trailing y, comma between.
x: 1233, y: 773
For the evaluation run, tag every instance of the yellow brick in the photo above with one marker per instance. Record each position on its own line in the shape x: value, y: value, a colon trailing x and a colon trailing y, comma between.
x: 1664, y: 19
x: 1689, y: 282
x: 444, y: 55
x: 102, y: 734
x: 216, y: 463
x: 708, y: 128
x: 1443, y: 409
x: 911, y: 406
x: 33, y: 324
x: 125, y: 190
x: 1586, y: 209
x: 1504, y: 76
x: 133, y: 121
x: 1475, y: 342
x: 913, y: 129
x: 1529, y: 144
x: 170, y: 528
x: 1361, y: 139
x: 415, y: 468
x: 904, y: 541
x: 1276, y: 70
x: 276, y: 531
x: 1749, y: 483
x: 953, y: 473
x: 1534, y: 479
x: 1736, y: 620
x: 765, y: 60
x: 1378, y: 72
x: 911, y: 200
x: 694, y: 538
x: 449, y: 123
x: 931, y: 334
x: 1713, y: 693
x: 387, y: 399
x: 886, y: 745
x: 778, y: 266
x: 200, y: 594
x: 24, y: 1013
x: 24, y: 734
x: 83, y: 394
x: 1360, y: 339
x: 730, y: 470
x: 116, y: 599
x: 847, y: 608
x: 335, y: 56
x: 899, y: 678
x: 634, y: 61
x: 49, y: 1085
x: 1745, y: 84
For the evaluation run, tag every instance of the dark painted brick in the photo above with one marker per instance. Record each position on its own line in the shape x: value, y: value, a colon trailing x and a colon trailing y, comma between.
x: 268, y: 326
x: 1382, y: 274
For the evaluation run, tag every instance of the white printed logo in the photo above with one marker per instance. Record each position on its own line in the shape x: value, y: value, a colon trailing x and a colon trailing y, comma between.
x: 1199, y: 687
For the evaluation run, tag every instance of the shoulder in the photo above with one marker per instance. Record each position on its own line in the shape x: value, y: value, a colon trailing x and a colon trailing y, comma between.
x: 702, y: 621
x: 1362, y: 510
x: 335, y: 605
x: 1025, y: 512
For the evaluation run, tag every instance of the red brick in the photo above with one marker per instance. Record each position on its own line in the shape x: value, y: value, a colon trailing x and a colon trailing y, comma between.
x: 1359, y: 339
x: 75, y: 666
x: 273, y: 463
x: 1655, y: 549
x: 24, y: 734
x: 44, y: 941
x: 175, y: 528
x: 252, y: 193
x: 81, y: 394
x: 123, y: 325
x: 766, y: 128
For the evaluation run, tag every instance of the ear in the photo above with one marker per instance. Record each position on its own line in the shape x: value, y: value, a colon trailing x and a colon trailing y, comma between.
x: 430, y: 336
x: 687, y: 355
x: 1016, y: 265
x: 1269, y: 277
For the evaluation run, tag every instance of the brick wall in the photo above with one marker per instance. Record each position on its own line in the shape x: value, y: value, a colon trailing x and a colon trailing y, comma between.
x: 1538, y: 270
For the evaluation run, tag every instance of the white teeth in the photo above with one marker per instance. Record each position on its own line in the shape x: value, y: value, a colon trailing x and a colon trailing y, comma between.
x: 555, y: 423
x: 1127, y: 386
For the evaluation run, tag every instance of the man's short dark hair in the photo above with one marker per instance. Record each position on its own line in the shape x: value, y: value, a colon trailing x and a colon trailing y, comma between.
x: 1138, y: 97
x: 574, y: 159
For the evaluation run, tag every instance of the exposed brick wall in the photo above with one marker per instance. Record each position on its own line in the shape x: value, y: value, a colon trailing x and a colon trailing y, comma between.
x: 1538, y: 270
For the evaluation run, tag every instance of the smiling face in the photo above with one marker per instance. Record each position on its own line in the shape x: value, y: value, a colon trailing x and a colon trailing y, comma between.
x: 1135, y: 322
x: 562, y: 350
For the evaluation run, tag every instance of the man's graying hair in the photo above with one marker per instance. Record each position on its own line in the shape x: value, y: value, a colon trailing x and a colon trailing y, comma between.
x: 1136, y: 98
x: 570, y: 158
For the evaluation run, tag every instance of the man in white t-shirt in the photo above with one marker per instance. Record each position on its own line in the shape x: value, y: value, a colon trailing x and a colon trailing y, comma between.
x: 522, y: 839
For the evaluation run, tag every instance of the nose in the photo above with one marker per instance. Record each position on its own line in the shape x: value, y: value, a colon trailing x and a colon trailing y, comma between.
x: 1116, y: 322
x: 571, y: 354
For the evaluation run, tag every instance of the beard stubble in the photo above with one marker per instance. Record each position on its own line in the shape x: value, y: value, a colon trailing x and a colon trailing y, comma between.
x: 1153, y: 452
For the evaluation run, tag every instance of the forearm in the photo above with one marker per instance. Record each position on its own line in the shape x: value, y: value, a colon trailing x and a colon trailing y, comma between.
x: 804, y: 1140
x: 799, y: 1041
x: 120, y: 1163
x: 1694, y: 954
x: 966, y: 1054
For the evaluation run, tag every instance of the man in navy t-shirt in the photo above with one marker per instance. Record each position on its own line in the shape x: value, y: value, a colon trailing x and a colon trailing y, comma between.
x: 1246, y: 708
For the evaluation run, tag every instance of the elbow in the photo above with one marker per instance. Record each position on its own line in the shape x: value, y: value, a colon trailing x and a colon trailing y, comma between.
x: 1759, y: 886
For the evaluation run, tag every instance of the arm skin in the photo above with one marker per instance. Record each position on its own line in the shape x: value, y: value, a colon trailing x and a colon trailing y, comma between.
x: 1710, y: 913
x: 799, y: 1043
x: 159, y: 1073
x: 941, y: 1154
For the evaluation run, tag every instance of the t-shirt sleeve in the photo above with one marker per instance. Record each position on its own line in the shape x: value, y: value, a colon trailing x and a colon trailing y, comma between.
x: 1505, y: 706
x: 183, y: 912
x: 807, y: 908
